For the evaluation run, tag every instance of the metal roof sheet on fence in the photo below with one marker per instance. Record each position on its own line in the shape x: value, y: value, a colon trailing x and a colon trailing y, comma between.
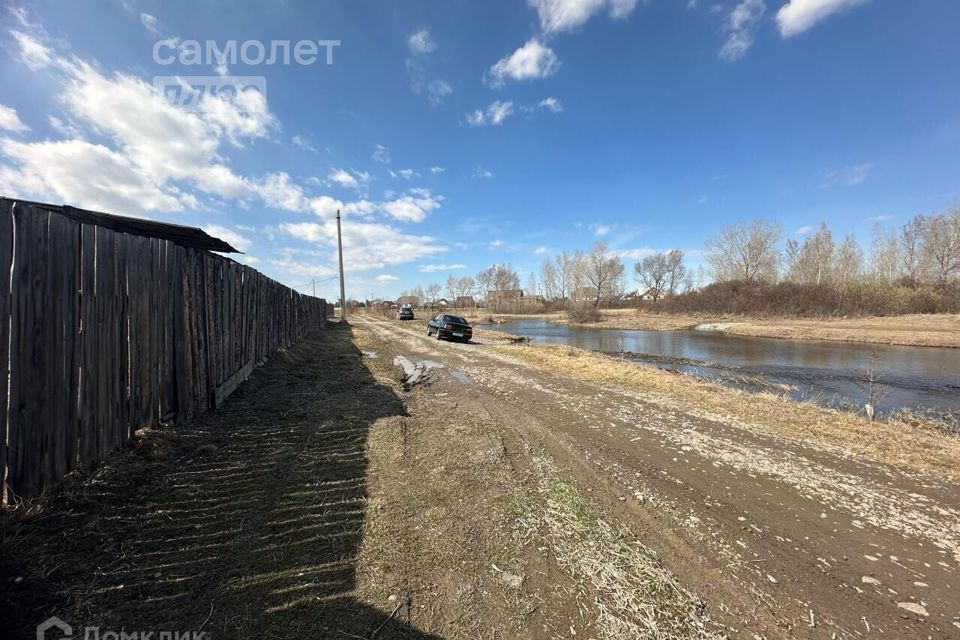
x: 192, y: 237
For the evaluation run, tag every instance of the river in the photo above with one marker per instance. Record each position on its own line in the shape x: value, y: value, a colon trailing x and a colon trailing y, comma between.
x: 832, y: 373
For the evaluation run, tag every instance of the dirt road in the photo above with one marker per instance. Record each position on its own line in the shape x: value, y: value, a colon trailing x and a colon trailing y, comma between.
x: 478, y: 496
x: 780, y: 538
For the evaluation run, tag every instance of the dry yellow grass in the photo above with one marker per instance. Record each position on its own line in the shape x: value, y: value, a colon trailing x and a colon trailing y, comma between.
x: 941, y: 330
x: 892, y: 441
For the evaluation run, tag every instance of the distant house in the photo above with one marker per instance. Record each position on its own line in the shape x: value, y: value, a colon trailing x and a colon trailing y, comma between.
x: 505, y: 295
x: 464, y: 302
x: 413, y: 301
x: 651, y: 294
x: 442, y: 302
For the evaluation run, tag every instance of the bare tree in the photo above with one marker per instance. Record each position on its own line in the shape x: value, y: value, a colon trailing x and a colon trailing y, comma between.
x: 791, y: 255
x: 652, y: 272
x: 662, y: 273
x: 603, y: 273
x: 848, y: 261
x: 567, y: 267
x: 676, y: 270
x: 485, y: 282
x: 460, y: 287
x: 505, y: 278
x: 745, y: 252
x: 884, y: 255
x: 942, y: 246
x: 467, y: 285
x: 452, y: 289
x: 549, y: 280
x: 532, y: 284
x: 911, y: 249
x: 433, y: 292
x: 813, y: 262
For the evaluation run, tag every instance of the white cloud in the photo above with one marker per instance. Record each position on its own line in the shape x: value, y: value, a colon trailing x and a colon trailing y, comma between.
x: 495, y: 244
x: 67, y: 129
x: 386, y: 278
x: 804, y: 230
x: 244, y: 115
x: 412, y: 208
x: 877, y: 218
x: 421, y: 46
x: 85, y: 174
x: 638, y: 253
x: 302, y: 143
x: 249, y: 260
x: 740, y: 27
x: 551, y: 104
x: 157, y: 147
x: 365, y: 246
x: 152, y: 152
x: 797, y: 16
x: 150, y: 22
x: 541, y: 250
x: 480, y: 172
x: 406, y: 174
x: 601, y: 229
x: 476, y: 118
x: 532, y: 60
x: 495, y: 114
x: 20, y: 14
x: 437, y: 170
x: 352, y: 179
x: 498, y: 111
x: 847, y: 176
x: 237, y: 240
x: 10, y: 121
x: 421, y: 43
x: 32, y: 52
x: 437, y: 90
x: 381, y: 154
x: 565, y: 15
x: 431, y: 268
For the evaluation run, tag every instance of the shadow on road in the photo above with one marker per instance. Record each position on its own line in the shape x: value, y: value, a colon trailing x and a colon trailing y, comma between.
x: 246, y: 522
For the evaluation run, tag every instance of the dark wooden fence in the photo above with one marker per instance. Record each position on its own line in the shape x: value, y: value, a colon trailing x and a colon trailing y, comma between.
x: 107, y: 332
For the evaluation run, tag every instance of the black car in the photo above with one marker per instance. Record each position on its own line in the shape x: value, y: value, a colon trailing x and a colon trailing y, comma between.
x: 447, y: 326
x: 406, y: 313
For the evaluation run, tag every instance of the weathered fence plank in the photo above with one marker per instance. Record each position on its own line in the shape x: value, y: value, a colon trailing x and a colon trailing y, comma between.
x: 6, y: 258
x: 27, y: 439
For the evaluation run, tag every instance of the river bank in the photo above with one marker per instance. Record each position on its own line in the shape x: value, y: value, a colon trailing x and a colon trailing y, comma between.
x: 919, y: 330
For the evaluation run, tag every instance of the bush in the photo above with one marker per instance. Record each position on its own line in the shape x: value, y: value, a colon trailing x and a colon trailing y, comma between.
x: 863, y: 297
x: 583, y: 313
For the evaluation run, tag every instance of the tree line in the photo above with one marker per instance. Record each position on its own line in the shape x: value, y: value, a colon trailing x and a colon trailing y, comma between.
x: 921, y: 255
x: 924, y: 252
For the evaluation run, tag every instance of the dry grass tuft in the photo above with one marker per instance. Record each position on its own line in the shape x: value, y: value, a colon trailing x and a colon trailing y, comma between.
x: 636, y: 596
x: 913, y: 443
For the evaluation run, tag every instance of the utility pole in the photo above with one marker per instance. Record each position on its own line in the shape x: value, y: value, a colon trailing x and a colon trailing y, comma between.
x: 343, y: 299
x: 314, y: 282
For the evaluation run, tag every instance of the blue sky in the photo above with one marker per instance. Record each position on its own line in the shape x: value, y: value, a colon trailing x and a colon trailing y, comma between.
x: 458, y: 134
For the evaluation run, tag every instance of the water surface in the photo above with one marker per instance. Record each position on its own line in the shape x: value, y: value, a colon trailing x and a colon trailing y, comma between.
x: 833, y: 373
